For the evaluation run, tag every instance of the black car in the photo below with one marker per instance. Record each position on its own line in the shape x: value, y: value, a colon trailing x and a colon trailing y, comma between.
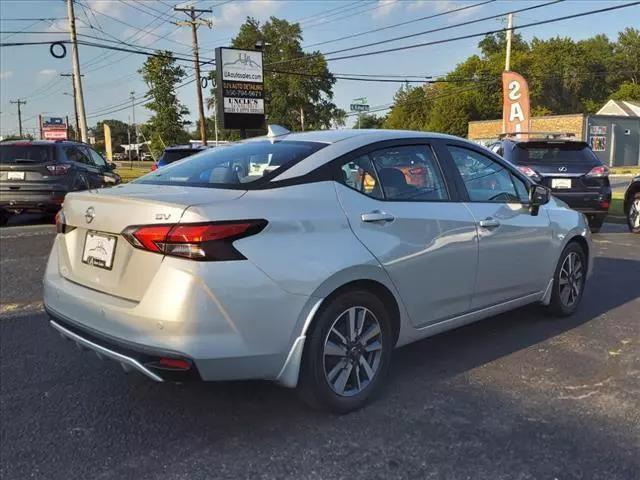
x: 568, y: 167
x: 632, y: 205
x: 174, y: 153
x: 36, y: 175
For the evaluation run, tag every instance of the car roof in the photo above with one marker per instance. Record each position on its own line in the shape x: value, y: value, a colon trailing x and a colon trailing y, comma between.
x: 26, y: 142
x: 334, y: 136
x: 185, y: 147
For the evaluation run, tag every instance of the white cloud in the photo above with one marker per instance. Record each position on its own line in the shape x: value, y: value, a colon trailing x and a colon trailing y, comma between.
x: 235, y: 13
x: 47, y: 72
x: 4, y: 74
x: 108, y: 7
x: 385, y: 7
x: 440, y: 6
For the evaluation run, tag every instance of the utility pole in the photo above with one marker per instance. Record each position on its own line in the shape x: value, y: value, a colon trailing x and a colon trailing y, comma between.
x: 77, y: 82
x: 135, y: 127
x: 507, y: 61
x: 19, y: 102
x: 129, y: 139
x: 75, y: 105
x: 194, y: 22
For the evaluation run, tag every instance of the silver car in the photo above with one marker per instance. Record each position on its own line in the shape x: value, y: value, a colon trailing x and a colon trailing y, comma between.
x: 309, y: 274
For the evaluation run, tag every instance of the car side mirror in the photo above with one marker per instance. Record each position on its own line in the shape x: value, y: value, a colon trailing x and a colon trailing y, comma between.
x: 112, y: 166
x: 538, y: 195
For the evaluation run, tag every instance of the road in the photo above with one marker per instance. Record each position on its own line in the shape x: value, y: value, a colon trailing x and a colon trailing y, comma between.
x: 517, y: 396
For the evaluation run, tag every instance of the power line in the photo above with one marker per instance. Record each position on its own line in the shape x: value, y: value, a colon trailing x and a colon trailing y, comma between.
x: 375, y: 30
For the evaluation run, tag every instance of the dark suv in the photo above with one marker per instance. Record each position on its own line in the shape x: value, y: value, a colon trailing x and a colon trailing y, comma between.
x: 36, y: 175
x: 568, y: 167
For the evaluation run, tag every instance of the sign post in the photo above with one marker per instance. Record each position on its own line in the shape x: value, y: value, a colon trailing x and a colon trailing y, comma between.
x: 359, y: 105
x: 239, y: 89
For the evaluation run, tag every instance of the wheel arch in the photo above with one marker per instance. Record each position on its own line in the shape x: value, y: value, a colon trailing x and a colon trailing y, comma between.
x: 628, y: 196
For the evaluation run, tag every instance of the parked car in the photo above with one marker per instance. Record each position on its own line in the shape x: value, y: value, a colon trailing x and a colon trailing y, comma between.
x: 174, y: 153
x: 632, y: 205
x: 302, y: 275
x: 568, y: 167
x: 35, y: 176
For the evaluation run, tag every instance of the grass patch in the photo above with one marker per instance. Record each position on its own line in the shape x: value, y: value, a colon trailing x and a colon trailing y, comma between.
x: 624, y: 170
x: 616, y: 207
x: 127, y: 174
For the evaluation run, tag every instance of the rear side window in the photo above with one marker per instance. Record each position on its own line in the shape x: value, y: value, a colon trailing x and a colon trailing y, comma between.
x: 16, y: 154
x: 548, y: 152
x: 241, y: 165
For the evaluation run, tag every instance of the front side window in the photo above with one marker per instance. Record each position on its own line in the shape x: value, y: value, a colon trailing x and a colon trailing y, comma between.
x: 241, y: 165
x: 97, y: 159
x: 409, y: 173
x: 485, y: 179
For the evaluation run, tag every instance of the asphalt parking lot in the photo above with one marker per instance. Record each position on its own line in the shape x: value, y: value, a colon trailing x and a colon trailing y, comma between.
x: 517, y: 396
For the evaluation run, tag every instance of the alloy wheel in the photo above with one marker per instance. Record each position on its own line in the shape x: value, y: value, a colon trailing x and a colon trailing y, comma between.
x: 571, y: 279
x: 634, y: 214
x: 352, y: 351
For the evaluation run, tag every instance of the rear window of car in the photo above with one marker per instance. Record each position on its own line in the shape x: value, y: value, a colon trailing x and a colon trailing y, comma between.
x: 548, y: 152
x: 241, y: 165
x: 16, y: 154
x: 170, y: 156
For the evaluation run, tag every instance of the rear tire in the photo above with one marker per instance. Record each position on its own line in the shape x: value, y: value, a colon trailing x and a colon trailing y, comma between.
x: 595, y: 224
x: 347, y: 353
x: 568, y: 281
x: 633, y: 213
x: 4, y: 217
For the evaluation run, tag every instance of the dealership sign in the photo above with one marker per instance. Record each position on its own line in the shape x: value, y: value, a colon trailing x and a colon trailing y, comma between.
x: 240, y: 88
x: 53, y: 128
x: 515, y: 104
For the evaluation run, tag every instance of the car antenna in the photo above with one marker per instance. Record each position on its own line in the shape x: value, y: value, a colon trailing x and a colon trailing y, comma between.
x: 276, y: 131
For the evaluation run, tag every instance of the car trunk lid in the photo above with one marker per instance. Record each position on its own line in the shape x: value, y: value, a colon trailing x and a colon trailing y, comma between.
x: 100, y: 216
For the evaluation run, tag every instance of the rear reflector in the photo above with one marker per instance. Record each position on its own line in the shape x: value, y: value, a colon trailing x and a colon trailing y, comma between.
x: 61, y: 223
x: 197, y: 241
x: 604, y: 204
x: 174, y: 363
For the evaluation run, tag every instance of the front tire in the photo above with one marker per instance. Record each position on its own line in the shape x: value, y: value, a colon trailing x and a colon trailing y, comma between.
x: 633, y: 213
x: 595, y: 224
x: 347, y: 353
x: 568, y: 281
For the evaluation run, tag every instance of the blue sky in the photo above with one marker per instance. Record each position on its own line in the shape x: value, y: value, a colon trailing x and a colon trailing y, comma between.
x: 31, y: 73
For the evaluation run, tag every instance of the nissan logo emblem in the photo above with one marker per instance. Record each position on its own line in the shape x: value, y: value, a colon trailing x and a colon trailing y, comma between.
x: 562, y: 169
x: 90, y: 214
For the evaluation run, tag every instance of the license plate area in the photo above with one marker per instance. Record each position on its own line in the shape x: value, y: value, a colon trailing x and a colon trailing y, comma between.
x: 15, y: 175
x: 560, y: 183
x: 99, y: 249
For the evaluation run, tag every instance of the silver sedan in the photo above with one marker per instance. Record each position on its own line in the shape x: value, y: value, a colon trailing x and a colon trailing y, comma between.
x: 307, y: 258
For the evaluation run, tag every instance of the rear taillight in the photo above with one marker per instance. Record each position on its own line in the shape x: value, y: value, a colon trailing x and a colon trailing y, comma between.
x: 61, y: 223
x: 529, y: 172
x: 197, y: 241
x: 599, y: 171
x: 59, y: 168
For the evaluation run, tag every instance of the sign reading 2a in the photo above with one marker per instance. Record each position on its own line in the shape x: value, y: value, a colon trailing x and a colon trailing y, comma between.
x: 515, y: 104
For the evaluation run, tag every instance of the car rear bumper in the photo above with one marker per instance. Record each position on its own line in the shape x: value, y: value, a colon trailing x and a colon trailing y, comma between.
x: 586, y: 202
x: 49, y: 200
x: 244, y: 328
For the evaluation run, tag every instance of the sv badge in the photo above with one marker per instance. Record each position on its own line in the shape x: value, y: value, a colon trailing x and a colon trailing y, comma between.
x: 163, y: 216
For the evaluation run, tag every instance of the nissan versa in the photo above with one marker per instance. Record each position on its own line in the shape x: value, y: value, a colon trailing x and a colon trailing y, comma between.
x: 311, y: 273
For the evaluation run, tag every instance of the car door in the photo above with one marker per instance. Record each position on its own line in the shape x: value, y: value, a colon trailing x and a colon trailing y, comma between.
x: 83, y: 175
x: 401, y: 208
x: 512, y: 241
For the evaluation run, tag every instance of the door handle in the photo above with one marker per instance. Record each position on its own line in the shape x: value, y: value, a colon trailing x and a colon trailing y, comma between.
x: 377, y: 216
x: 489, y: 223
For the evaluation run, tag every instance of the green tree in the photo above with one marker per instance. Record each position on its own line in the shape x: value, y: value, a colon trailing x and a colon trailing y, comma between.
x: 119, y: 132
x: 627, y: 91
x: 308, y: 88
x: 166, y: 126
x: 626, y: 56
x: 370, y: 121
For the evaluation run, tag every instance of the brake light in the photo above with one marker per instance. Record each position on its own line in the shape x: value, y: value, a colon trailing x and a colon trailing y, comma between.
x: 59, y: 168
x: 529, y: 172
x: 197, y: 241
x: 598, y: 172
